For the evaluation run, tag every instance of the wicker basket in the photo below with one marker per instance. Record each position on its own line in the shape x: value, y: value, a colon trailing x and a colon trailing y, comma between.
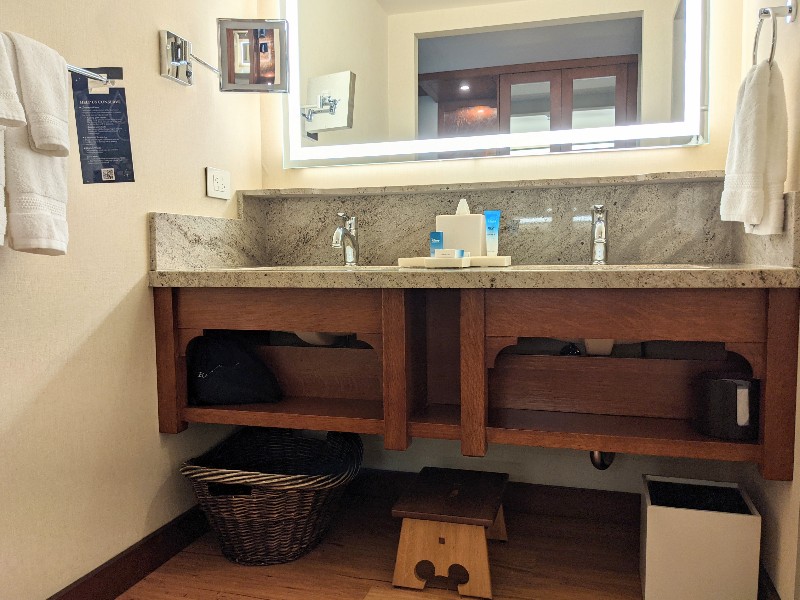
x: 270, y: 494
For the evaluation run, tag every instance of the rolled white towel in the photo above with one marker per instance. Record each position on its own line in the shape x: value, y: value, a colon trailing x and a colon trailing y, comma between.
x: 44, y: 86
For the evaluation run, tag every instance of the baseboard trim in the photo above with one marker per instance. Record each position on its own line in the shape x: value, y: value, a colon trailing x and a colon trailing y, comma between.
x: 112, y: 578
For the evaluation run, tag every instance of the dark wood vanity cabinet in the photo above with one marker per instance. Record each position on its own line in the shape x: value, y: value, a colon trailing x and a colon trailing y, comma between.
x: 435, y: 363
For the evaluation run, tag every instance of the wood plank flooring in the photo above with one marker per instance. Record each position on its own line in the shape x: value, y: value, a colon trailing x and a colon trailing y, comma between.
x: 546, y: 558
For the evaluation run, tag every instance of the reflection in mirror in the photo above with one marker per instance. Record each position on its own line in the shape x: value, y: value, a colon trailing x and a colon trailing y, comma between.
x: 530, y: 107
x: 455, y: 78
x: 579, y: 83
x: 252, y: 55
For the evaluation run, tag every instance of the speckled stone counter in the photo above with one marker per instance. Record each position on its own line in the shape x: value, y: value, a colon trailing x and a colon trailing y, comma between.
x: 525, y: 276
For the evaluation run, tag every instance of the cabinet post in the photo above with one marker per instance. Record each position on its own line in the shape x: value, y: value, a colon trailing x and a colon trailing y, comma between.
x: 474, y: 376
x: 167, y: 372
x: 779, y: 387
x: 397, y: 403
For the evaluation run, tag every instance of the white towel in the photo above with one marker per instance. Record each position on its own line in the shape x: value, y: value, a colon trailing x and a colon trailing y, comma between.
x: 776, y: 160
x: 11, y: 115
x: 43, y: 85
x: 37, y: 191
x: 11, y: 112
x: 743, y: 193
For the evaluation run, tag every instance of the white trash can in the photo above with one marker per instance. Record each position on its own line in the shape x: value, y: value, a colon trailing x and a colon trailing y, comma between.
x: 700, y: 540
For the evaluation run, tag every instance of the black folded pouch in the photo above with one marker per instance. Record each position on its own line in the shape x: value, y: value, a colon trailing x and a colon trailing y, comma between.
x: 223, y: 370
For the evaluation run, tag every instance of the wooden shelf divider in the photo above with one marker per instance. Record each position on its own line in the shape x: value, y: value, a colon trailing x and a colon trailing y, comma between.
x: 611, y: 433
x: 324, y: 414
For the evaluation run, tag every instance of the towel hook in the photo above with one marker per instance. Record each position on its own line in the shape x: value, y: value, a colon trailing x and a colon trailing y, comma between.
x: 763, y: 14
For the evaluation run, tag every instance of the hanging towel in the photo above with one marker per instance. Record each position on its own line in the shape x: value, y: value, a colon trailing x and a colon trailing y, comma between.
x: 11, y: 112
x: 743, y: 193
x: 37, y: 189
x: 11, y: 115
x: 776, y: 160
x: 43, y: 82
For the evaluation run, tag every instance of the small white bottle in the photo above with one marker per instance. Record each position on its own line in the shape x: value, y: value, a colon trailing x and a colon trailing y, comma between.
x: 463, y: 231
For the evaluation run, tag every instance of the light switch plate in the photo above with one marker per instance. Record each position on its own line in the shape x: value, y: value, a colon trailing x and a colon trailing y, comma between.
x: 218, y: 183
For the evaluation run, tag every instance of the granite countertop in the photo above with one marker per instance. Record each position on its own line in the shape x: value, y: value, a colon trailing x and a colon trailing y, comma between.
x: 521, y: 276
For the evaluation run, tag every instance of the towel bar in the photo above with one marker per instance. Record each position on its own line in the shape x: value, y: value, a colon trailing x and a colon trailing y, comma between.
x: 90, y: 74
x: 774, y: 12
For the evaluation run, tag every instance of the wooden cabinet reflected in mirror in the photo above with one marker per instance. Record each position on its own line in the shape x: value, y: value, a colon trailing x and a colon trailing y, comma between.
x: 545, y: 96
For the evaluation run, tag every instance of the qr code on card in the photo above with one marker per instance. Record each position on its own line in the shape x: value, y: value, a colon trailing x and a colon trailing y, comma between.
x: 107, y: 175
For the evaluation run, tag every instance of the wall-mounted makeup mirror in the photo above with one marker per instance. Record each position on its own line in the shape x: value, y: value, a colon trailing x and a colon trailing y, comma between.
x: 253, y: 55
x: 441, y: 79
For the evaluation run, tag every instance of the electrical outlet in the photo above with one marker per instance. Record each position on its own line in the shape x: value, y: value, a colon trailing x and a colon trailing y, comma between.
x: 218, y: 183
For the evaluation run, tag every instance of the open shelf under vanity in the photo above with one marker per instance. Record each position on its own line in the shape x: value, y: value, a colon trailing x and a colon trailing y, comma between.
x: 453, y: 364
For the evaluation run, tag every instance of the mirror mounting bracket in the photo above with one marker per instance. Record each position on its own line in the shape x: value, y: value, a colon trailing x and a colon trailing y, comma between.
x: 325, y: 104
x: 176, y: 58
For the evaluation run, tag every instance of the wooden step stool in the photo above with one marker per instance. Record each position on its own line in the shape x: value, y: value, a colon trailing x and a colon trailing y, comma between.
x: 448, y: 514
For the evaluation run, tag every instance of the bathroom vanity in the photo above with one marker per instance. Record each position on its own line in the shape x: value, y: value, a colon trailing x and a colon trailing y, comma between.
x: 437, y: 365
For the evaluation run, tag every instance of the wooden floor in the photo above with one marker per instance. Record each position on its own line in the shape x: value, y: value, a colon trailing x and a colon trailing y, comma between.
x: 546, y: 558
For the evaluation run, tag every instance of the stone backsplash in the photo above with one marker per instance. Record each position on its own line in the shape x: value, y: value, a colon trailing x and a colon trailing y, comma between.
x: 654, y: 219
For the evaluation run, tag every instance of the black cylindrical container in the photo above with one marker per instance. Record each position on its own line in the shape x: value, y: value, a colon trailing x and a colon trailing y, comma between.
x: 728, y: 408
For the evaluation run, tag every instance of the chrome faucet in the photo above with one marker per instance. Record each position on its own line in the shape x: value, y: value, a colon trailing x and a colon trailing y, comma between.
x: 346, y: 237
x: 599, y: 235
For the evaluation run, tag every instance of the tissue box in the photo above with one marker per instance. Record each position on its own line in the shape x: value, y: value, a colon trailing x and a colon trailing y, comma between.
x: 700, y: 540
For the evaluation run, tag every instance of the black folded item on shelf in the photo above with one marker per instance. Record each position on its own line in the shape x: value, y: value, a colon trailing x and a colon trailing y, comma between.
x: 223, y: 370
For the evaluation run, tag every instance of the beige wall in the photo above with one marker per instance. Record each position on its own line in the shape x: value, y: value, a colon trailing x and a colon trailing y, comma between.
x: 348, y: 36
x: 779, y: 502
x: 84, y: 473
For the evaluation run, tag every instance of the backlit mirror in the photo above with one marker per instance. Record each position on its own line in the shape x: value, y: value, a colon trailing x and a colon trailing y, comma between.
x: 439, y: 79
x: 253, y: 55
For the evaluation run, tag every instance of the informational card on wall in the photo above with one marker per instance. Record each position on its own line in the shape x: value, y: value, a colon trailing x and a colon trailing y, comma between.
x: 101, y: 117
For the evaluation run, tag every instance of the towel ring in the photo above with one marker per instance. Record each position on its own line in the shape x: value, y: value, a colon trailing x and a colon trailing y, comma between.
x: 766, y: 12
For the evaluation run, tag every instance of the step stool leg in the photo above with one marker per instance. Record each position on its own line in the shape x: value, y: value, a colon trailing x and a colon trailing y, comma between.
x: 497, y: 530
x: 473, y: 555
x: 410, y: 551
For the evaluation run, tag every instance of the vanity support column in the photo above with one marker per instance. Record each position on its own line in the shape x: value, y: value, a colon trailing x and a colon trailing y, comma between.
x: 170, y: 399
x: 778, y: 393
x: 474, y: 375
x: 404, y: 360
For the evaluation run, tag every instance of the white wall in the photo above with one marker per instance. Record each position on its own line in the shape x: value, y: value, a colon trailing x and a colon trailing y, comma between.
x: 84, y: 473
